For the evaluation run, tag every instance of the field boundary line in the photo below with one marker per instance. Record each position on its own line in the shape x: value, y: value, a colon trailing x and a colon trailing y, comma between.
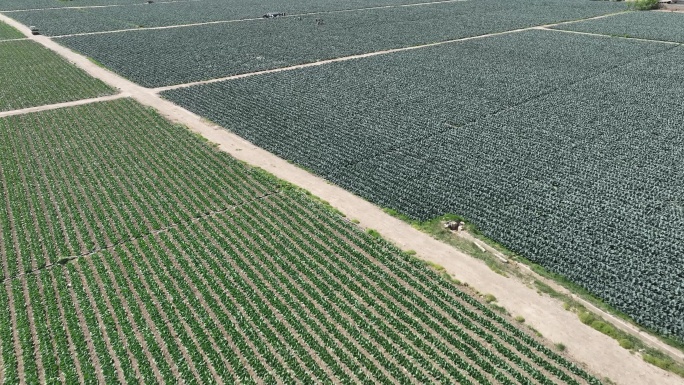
x: 18, y: 39
x: 255, y: 18
x: 198, y: 218
x: 361, y: 56
x: 97, y: 6
x: 48, y: 107
x: 543, y: 312
x: 608, y: 36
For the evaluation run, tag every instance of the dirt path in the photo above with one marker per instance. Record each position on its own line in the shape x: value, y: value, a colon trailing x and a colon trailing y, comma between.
x: 601, y: 353
x: 62, y: 105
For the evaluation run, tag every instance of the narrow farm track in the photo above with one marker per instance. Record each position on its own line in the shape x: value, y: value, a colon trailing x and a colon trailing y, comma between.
x: 602, y: 354
x: 62, y: 105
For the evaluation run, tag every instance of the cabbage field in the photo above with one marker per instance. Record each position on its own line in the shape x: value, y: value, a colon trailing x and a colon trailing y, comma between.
x: 155, y: 58
x: 130, y: 257
x: 13, y: 5
x: 32, y: 75
x: 554, y: 153
x: 446, y: 15
x: 667, y: 26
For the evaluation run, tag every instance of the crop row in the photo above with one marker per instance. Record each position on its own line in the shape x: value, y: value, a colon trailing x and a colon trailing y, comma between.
x: 535, y: 151
x: 33, y: 75
x: 276, y: 290
x: 164, y: 57
x: 77, y: 180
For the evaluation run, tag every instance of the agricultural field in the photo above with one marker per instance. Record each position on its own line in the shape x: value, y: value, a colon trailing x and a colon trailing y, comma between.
x: 155, y: 58
x: 501, y: 143
x: 33, y: 75
x: 8, y: 33
x: 644, y: 25
x: 13, y: 5
x: 81, y: 179
x: 71, y: 21
x: 210, y: 271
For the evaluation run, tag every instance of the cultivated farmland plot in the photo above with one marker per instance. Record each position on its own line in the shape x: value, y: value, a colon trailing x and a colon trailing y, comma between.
x: 10, y: 5
x: 32, y: 76
x: 7, y: 32
x: 566, y: 165
x: 667, y: 26
x: 69, y: 21
x: 80, y: 179
x: 233, y: 298
x: 155, y: 58
x: 319, y: 116
x: 273, y: 287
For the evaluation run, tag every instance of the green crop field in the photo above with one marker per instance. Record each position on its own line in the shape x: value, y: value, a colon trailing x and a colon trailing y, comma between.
x: 13, y: 5
x: 75, y: 181
x: 8, y: 33
x: 69, y: 21
x: 134, y: 252
x: 32, y: 76
x: 537, y: 146
x: 156, y: 58
x: 666, y: 26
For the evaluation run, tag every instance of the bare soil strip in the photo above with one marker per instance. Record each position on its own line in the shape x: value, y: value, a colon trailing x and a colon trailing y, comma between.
x: 55, y: 106
x: 259, y: 18
x: 600, y: 352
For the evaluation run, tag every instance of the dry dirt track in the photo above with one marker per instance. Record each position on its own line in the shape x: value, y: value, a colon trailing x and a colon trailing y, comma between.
x: 602, y: 354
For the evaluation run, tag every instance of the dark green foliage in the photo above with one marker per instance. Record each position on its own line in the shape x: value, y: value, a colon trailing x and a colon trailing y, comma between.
x: 575, y: 162
x: 69, y: 21
x: 667, y: 26
x: 12, y: 5
x: 180, y: 55
x: 481, y: 13
x: 32, y: 75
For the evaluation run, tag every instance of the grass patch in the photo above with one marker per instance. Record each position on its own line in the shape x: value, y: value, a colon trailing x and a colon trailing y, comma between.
x: 520, y: 318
